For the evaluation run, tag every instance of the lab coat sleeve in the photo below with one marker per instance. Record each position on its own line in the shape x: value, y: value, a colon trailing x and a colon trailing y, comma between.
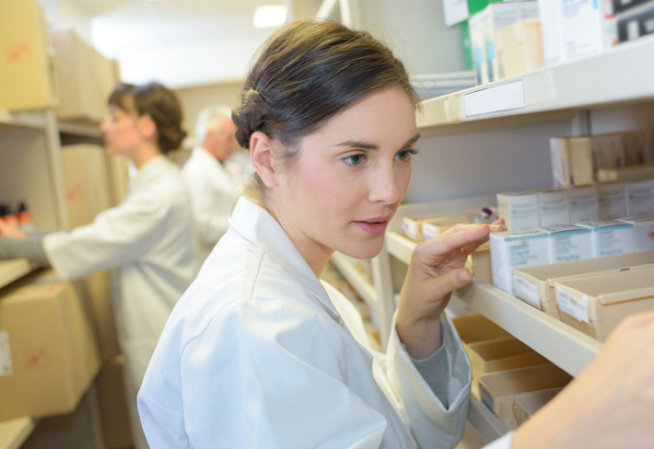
x: 432, y: 423
x: 211, y: 209
x: 117, y: 236
x: 271, y: 376
x: 504, y: 442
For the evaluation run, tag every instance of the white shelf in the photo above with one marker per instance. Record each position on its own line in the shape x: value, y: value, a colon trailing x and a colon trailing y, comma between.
x: 14, y: 432
x: 14, y: 269
x: 35, y: 120
x: 356, y: 279
x: 568, y: 348
x: 623, y: 74
x: 80, y: 129
x: 484, y: 421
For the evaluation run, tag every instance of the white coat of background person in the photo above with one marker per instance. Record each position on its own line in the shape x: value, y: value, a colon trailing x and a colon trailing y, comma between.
x: 259, y: 353
x: 150, y: 236
x: 213, y: 184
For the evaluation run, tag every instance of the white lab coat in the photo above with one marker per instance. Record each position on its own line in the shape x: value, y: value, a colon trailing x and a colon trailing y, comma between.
x: 260, y: 353
x: 214, y: 190
x: 151, y: 237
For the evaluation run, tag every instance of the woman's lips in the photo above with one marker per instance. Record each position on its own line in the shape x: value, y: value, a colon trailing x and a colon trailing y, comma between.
x: 374, y: 226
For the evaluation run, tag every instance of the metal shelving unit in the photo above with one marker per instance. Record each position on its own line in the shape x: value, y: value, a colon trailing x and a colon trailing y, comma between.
x: 361, y: 285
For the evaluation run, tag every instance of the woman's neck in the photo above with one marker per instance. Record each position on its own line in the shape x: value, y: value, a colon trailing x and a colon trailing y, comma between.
x: 144, y: 154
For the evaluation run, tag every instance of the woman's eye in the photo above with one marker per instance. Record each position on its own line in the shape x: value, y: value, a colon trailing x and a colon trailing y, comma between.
x: 355, y: 159
x: 405, y: 155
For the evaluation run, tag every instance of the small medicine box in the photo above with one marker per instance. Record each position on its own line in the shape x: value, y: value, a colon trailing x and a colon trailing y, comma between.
x: 553, y: 207
x: 612, y: 200
x: 584, y: 203
x: 640, y: 198
x: 609, y: 237
x: 643, y: 232
x: 516, y: 249
x: 596, y: 305
x: 526, y: 405
x: 519, y: 210
x: 568, y: 242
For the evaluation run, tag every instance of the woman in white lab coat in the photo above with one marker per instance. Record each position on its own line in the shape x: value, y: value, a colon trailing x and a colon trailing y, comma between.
x: 149, y: 236
x: 260, y: 353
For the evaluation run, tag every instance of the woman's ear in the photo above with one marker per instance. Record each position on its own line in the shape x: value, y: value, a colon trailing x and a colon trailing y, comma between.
x: 147, y: 127
x: 261, y: 155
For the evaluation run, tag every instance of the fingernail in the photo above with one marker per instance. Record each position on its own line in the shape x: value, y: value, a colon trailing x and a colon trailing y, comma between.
x: 464, y: 276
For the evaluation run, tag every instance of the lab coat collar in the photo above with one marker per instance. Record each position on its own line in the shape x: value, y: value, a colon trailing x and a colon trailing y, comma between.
x: 152, y: 170
x: 256, y: 224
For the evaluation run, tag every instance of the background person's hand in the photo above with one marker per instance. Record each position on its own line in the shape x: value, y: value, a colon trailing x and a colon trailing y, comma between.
x: 11, y: 230
x: 435, y: 271
x: 610, y: 404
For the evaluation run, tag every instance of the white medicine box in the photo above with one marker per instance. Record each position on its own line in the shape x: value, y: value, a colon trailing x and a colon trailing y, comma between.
x: 553, y: 208
x: 612, y: 200
x: 584, y: 203
x: 568, y: 243
x: 596, y: 304
x: 640, y: 198
x: 643, y: 232
x: 609, y: 237
x: 588, y: 27
x: 516, y: 249
x: 519, y: 210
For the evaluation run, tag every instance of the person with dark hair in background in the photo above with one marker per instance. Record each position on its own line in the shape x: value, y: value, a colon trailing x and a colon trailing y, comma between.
x: 149, y: 236
x: 259, y: 353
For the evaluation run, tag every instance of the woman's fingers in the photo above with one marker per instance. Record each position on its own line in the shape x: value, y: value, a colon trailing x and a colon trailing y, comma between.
x: 442, y: 286
x: 448, y: 242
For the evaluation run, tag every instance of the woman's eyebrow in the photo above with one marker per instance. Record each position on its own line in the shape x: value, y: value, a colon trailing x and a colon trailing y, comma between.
x: 371, y: 146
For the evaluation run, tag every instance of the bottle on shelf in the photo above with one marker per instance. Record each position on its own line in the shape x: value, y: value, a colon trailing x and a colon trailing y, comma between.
x: 25, y: 218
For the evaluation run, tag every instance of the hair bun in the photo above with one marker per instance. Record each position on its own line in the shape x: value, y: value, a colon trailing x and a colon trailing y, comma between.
x: 249, y: 117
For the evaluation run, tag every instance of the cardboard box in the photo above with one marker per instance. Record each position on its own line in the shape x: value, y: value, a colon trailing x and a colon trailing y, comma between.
x: 611, y: 200
x: 636, y: 23
x: 526, y: 405
x: 49, y: 356
x: 520, y: 47
x: 550, y: 17
x: 480, y: 265
x: 630, y: 173
x: 26, y: 67
x: 519, y: 209
x: 596, y: 305
x: 643, y: 232
x: 572, y: 161
x: 535, y: 285
x: 118, y: 177
x: 501, y: 355
x: 553, y: 207
x: 85, y: 180
x: 114, y: 407
x: 584, y: 203
x: 516, y: 249
x: 640, y: 198
x: 413, y: 226
x: 609, y: 237
x: 635, y: 147
x: 104, y: 74
x: 484, y: 27
x: 587, y: 27
x: 474, y: 328
x: 498, y: 390
x: 76, y: 76
x: 568, y: 242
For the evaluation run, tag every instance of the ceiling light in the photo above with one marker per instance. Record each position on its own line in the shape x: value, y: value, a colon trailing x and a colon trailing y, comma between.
x: 269, y: 16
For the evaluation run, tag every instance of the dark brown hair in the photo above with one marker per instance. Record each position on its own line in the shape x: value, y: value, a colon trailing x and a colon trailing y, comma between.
x: 308, y: 72
x: 157, y: 101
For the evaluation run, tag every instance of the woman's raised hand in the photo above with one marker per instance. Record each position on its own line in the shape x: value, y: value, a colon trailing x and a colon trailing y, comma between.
x: 435, y: 271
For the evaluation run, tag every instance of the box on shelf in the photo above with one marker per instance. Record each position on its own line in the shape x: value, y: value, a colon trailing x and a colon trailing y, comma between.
x: 568, y: 242
x: 640, y: 198
x: 498, y: 390
x: 26, y: 66
x: 609, y: 237
x: 104, y: 74
x: 643, y: 232
x: 584, y: 203
x: 519, y: 209
x: 516, y: 249
x: 553, y: 207
x: 635, y: 148
x: 587, y: 27
x: 550, y: 18
x: 48, y: 355
x: 596, y: 305
x: 114, y: 406
x: 629, y: 173
x: 474, y: 328
x: 536, y: 284
x: 76, y: 76
x: 479, y: 264
x: 525, y: 405
x: 501, y: 355
x: 414, y: 226
x: 85, y: 180
x: 620, y: 6
x: 636, y: 23
x: 483, y: 29
x: 520, y: 47
x: 612, y: 200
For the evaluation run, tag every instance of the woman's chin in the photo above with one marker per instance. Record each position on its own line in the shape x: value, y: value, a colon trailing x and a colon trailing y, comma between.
x: 363, y: 250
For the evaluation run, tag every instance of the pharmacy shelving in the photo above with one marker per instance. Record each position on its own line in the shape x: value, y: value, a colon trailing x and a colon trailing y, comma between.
x: 14, y: 269
x: 358, y: 281
x: 35, y: 120
x: 484, y: 421
x: 81, y: 129
x: 621, y: 75
x: 14, y: 432
x: 563, y: 345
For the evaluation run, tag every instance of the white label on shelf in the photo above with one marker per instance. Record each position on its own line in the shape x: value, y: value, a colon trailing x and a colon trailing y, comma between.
x: 527, y: 291
x: 495, y: 99
x: 6, y: 368
x: 572, y: 305
x: 540, y: 87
